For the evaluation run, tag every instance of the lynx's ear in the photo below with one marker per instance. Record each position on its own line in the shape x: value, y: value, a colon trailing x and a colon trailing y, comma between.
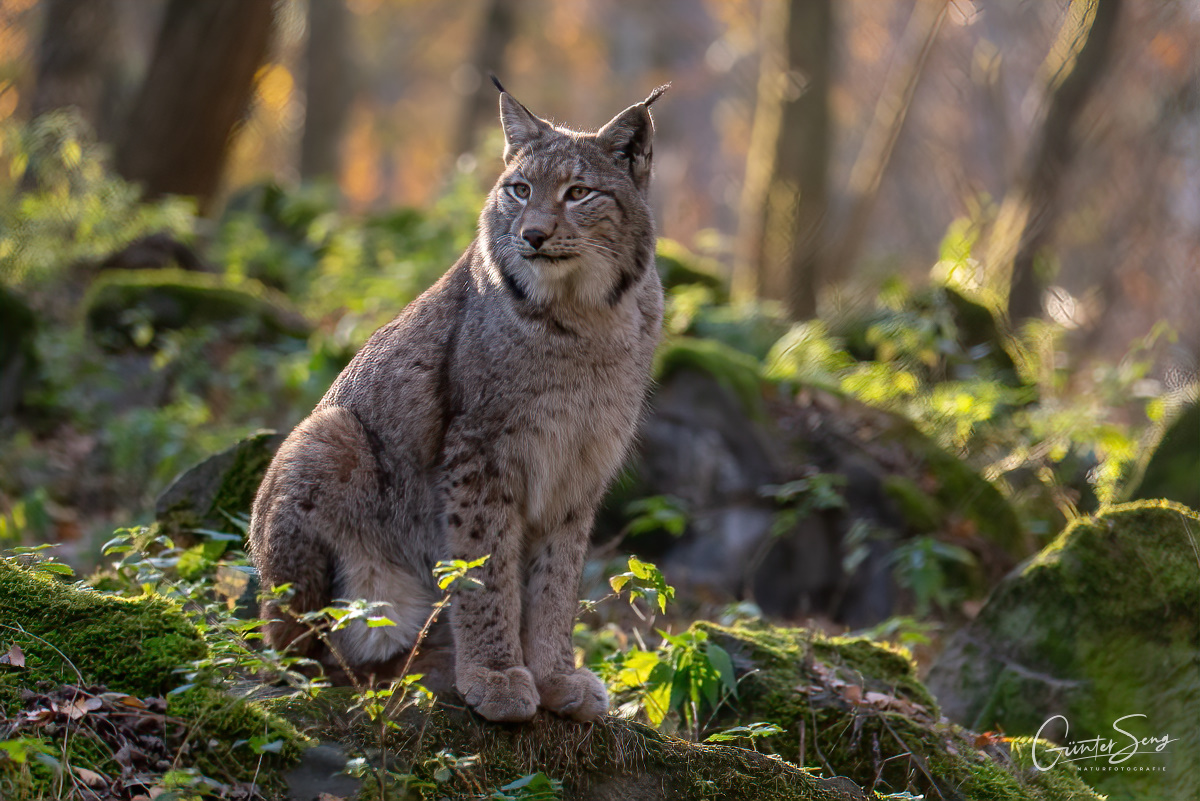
x: 521, y: 126
x: 629, y: 138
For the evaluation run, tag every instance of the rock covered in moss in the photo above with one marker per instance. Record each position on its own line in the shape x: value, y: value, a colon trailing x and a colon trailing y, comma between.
x: 1102, y: 624
x: 610, y: 760
x: 221, y: 486
x: 125, y: 308
x: 99, y: 649
x: 854, y: 708
x: 856, y: 724
x: 128, y: 644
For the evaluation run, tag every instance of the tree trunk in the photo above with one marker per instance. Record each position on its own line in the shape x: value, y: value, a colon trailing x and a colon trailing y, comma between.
x: 1029, y: 213
x: 879, y: 141
x: 74, y: 59
x: 329, y: 87
x: 786, y: 191
x: 499, y: 24
x: 196, y: 90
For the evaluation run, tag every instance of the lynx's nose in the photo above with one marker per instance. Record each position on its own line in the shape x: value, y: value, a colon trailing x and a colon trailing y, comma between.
x: 535, y: 237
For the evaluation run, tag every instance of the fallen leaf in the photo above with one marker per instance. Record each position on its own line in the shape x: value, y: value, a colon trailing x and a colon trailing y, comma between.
x: 853, y: 694
x: 90, y: 777
x: 990, y: 738
x: 81, y: 706
x: 14, y: 658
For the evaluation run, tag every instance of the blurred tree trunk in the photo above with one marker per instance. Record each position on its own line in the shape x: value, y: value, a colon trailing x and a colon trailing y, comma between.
x: 197, y: 87
x: 329, y: 87
x: 498, y: 25
x: 879, y: 141
x: 1030, y: 211
x: 75, y: 57
x: 785, y: 197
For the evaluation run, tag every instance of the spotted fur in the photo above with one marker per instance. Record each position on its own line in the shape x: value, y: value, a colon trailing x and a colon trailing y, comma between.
x: 486, y: 419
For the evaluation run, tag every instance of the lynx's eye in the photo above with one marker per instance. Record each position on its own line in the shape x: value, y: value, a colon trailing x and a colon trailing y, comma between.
x: 578, y: 192
x: 519, y: 190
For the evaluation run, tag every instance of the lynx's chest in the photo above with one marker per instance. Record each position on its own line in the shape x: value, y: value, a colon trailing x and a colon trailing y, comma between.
x: 574, y: 429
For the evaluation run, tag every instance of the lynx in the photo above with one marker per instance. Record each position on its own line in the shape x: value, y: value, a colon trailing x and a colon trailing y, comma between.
x: 486, y: 419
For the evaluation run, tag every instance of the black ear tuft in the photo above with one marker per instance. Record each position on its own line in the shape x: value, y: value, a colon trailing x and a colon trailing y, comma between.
x: 629, y: 138
x: 655, y: 95
x: 521, y: 126
x: 496, y: 81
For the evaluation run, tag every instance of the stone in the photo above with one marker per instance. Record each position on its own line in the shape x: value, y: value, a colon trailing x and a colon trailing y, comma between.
x: 126, y: 308
x: 855, y: 708
x: 81, y: 639
x: 220, y: 487
x: 1102, y: 624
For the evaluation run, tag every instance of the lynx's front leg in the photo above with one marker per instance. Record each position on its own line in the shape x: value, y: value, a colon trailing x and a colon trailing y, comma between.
x: 551, y: 601
x: 481, y: 520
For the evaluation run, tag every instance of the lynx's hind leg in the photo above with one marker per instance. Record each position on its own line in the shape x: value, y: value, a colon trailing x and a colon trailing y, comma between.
x: 408, y: 605
x: 320, y: 525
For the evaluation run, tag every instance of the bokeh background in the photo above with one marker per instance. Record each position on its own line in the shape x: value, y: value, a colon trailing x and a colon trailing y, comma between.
x: 813, y: 158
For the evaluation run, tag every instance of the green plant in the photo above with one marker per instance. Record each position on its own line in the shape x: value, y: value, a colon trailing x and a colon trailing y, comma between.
x: 687, y: 675
x: 531, y: 787
x: 924, y: 565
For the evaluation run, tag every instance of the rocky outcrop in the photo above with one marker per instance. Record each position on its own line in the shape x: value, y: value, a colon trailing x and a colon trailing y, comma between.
x: 1101, y: 625
x: 221, y: 487
x: 126, y: 308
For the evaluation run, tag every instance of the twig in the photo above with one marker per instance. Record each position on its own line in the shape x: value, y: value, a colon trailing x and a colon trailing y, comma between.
x: 817, y: 745
x: 916, y: 758
x: 48, y: 644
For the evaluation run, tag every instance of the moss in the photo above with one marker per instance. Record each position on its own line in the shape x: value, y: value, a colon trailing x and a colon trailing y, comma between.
x: 132, y: 645
x: 920, y: 510
x: 225, y: 731
x: 818, y: 689
x: 612, y: 758
x: 174, y: 298
x: 73, y: 635
x: 734, y: 370
x: 677, y: 266
x: 1103, y: 623
x: 224, y: 484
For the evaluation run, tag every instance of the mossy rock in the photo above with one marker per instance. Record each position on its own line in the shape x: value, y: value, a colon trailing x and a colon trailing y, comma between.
x: 610, y: 760
x: 677, y: 266
x: 124, y: 308
x: 72, y: 635
x: 855, y: 708
x: 856, y: 744
x: 129, y: 644
x: 1103, y: 623
x: 18, y: 359
x: 1172, y: 470
x: 751, y: 327
x: 220, y: 487
x: 739, y: 373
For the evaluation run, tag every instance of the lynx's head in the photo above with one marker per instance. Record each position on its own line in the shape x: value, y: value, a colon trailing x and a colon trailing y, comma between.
x: 569, y: 221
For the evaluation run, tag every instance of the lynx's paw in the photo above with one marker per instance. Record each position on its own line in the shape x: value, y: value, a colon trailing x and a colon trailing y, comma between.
x: 507, y: 696
x: 579, y: 695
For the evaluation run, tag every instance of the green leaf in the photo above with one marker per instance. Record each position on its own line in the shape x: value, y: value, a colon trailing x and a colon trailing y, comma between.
x: 718, y: 657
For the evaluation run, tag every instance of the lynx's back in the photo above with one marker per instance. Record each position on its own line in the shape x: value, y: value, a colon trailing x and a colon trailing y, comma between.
x: 485, y: 420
